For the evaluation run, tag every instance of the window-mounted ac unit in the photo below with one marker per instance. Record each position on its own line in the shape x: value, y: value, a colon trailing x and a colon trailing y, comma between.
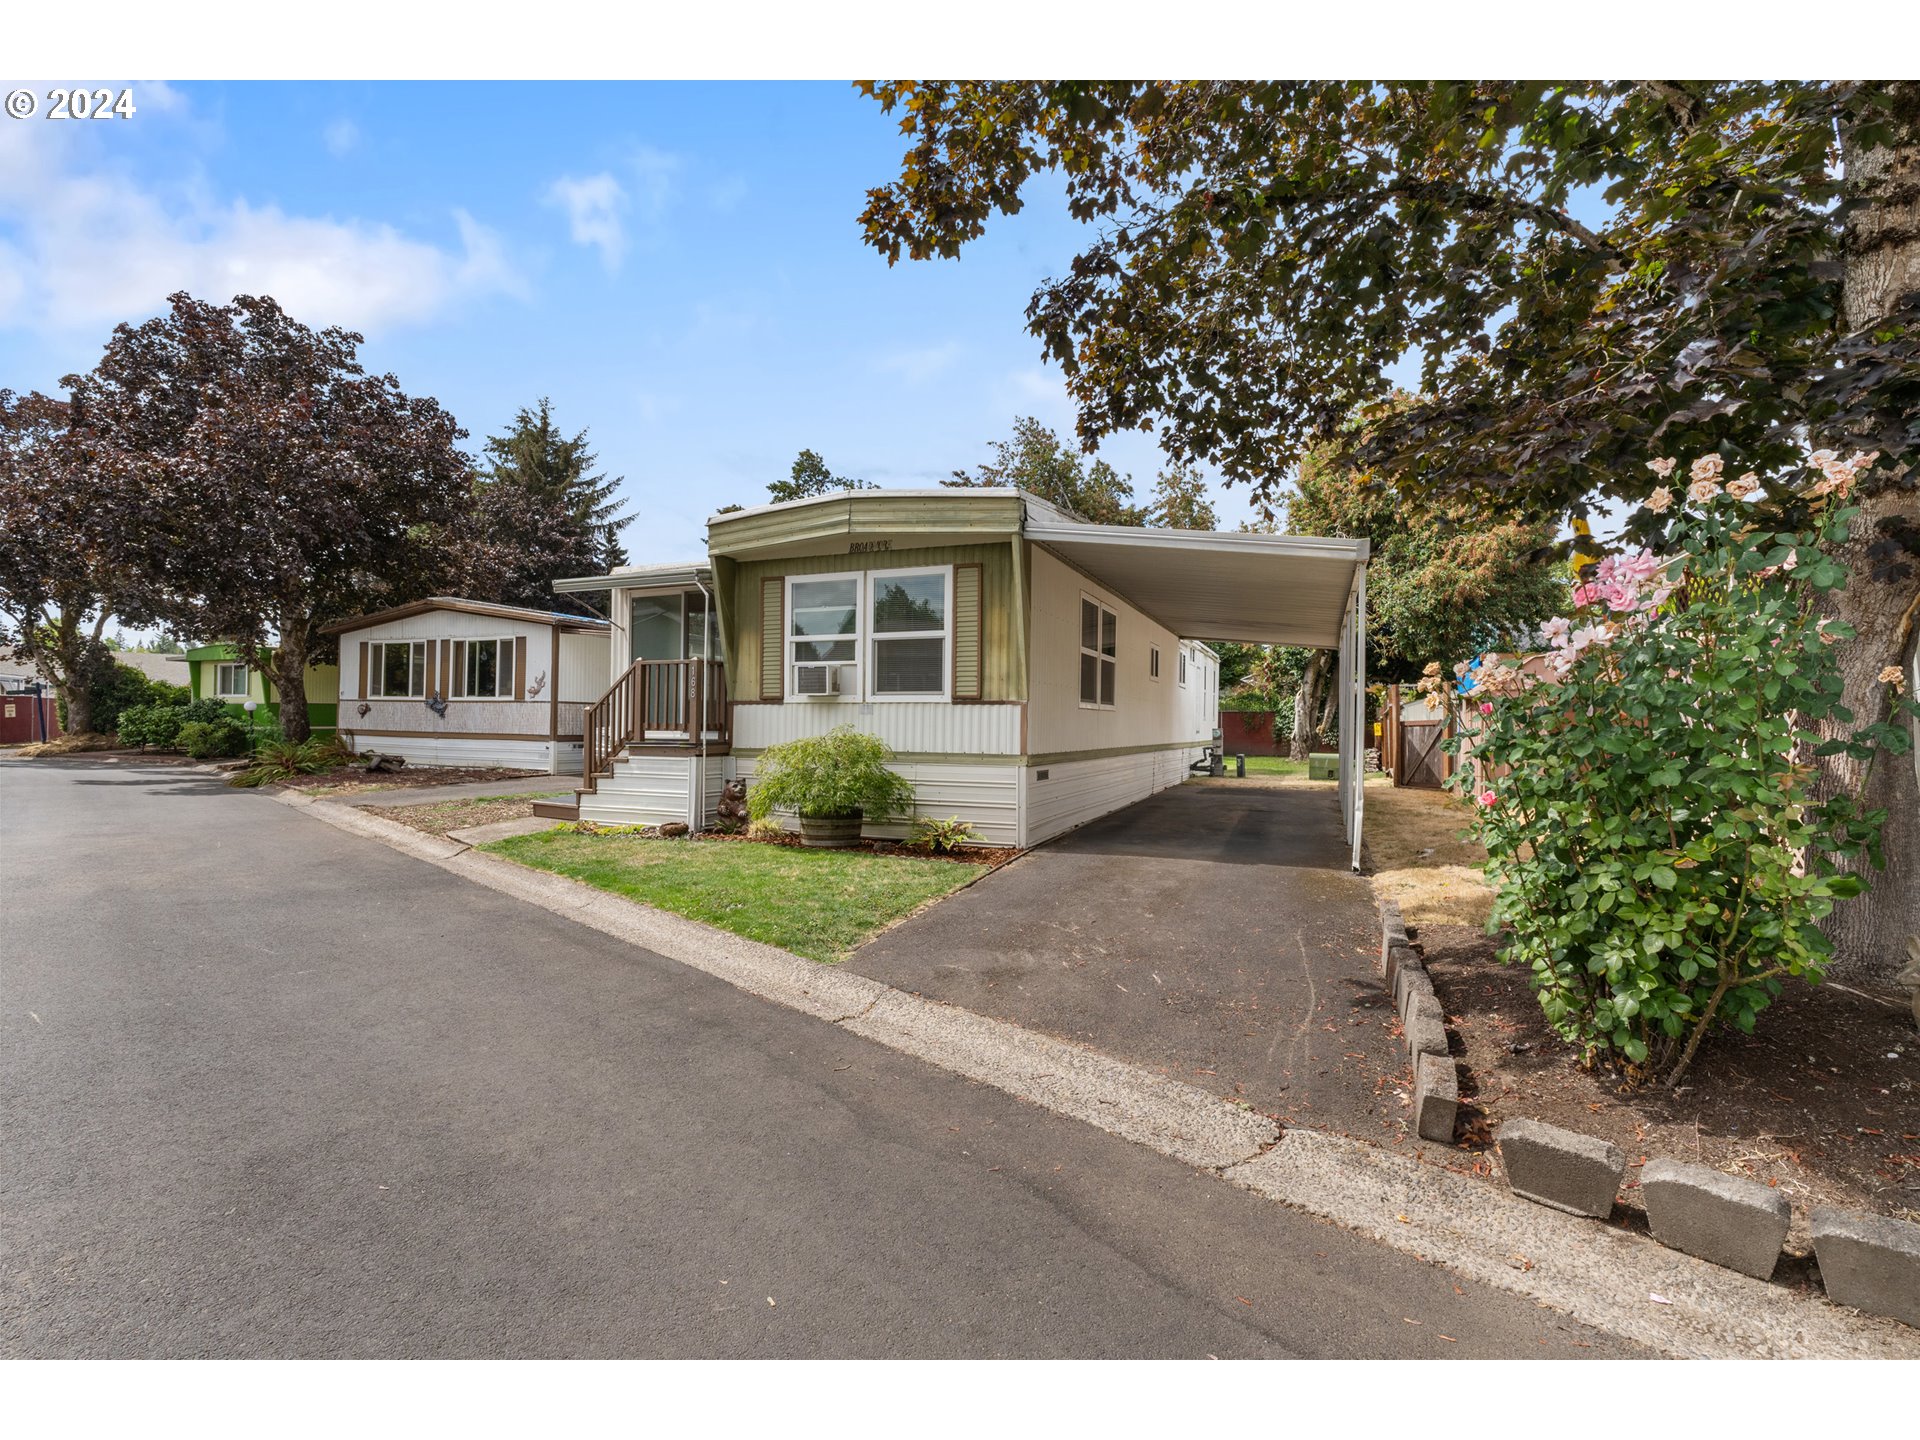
x: 816, y: 678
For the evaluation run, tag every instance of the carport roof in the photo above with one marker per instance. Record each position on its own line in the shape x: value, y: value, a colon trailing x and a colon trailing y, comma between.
x: 1214, y: 585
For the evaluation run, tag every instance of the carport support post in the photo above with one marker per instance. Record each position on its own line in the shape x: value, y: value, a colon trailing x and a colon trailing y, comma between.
x: 1353, y: 709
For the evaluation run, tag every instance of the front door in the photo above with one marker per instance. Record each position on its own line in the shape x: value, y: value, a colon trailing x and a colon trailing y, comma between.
x: 668, y: 628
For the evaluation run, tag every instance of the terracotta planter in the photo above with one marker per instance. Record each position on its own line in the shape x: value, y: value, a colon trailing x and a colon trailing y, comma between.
x: 830, y: 832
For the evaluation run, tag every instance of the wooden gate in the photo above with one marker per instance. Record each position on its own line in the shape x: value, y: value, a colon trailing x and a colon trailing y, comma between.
x: 1422, y: 761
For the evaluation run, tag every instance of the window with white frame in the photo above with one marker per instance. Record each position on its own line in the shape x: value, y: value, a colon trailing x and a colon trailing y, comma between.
x: 907, y: 613
x: 489, y: 669
x: 1183, y: 669
x: 1153, y: 662
x: 230, y: 682
x: 398, y: 669
x: 877, y: 635
x: 1099, y: 651
x: 823, y: 635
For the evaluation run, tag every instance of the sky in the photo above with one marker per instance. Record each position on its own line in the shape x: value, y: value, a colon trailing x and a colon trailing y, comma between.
x: 679, y: 266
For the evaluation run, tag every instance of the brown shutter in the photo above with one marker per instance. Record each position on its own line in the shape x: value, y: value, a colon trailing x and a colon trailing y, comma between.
x: 519, y: 667
x: 773, y: 639
x: 968, y: 661
x: 433, y: 654
x: 446, y: 668
x: 363, y: 669
x: 457, y: 683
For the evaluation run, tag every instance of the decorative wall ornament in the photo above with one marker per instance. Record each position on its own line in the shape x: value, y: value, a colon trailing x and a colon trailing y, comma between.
x: 365, y: 710
x: 536, y: 685
x: 438, y: 704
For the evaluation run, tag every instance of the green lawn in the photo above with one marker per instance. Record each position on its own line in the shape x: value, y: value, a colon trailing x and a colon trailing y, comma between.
x: 816, y: 903
x: 1270, y: 765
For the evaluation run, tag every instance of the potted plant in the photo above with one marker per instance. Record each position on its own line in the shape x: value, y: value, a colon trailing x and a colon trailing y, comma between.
x: 833, y: 782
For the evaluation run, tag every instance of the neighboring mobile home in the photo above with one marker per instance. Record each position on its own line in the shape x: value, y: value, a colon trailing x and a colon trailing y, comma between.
x: 1031, y: 671
x: 461, y: 682
x: 216, y: 672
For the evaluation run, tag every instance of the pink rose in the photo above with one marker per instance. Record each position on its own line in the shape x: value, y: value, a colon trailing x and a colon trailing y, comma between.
x: 1486, y: 707
x: 1488, y: 799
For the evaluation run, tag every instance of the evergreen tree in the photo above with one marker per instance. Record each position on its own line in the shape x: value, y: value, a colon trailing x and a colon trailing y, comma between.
x: 545, y: 512
x: 811, y: 477
x: 1034, y: 460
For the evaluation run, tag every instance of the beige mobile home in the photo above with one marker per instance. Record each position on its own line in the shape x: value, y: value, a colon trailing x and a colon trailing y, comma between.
x: 461, y: 682
x: 1031, y: 671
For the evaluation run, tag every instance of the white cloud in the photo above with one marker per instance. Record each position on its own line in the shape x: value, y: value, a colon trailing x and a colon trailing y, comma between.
x: 595, y: 205
x: 919, y: 364
x: 341, y: 137
x: 84, y: 247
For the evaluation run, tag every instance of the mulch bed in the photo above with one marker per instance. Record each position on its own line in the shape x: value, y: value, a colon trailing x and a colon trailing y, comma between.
x: 348, y: 779
x: 1822, y: 1101
x: 439, y: 817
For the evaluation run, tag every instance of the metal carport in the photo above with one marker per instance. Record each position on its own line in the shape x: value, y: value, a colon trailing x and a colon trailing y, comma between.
x: 1258, y: 589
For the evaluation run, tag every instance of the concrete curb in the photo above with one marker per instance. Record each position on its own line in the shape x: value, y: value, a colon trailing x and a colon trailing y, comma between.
x: 1595, y: 1273
x: 1607, y: 1277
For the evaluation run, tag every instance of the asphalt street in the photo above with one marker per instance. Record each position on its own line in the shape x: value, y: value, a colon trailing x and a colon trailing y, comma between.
x: 268, y: 1089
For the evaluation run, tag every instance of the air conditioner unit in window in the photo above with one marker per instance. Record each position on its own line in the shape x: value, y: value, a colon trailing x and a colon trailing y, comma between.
x: 816, y: 678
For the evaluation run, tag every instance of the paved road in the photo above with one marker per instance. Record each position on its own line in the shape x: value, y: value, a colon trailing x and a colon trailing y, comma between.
x: 267, y: 1089
x: 1213, y: 931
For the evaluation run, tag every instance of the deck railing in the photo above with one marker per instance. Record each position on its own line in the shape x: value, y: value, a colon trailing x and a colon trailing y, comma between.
x: 666, y: 702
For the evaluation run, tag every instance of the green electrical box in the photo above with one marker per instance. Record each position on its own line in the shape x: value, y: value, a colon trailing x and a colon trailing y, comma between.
x: 1323, y: 767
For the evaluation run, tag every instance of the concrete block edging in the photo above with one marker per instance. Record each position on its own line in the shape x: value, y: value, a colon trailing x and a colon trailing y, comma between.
x: 1868, y: 1262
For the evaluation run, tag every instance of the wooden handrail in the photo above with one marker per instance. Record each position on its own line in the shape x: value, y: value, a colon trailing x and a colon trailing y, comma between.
x: 680, y: 697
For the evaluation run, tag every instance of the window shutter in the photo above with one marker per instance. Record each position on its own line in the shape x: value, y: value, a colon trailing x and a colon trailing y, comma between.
x: 433, y: 655
x: 457, y: 682
x: 519, y: 667
x: 363, y: 669
x: 967, y: 660
x: 773, y: 639
x: 446, y: 668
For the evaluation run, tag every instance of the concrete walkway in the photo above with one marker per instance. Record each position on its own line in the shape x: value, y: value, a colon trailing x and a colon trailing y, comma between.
x: 1213, y: 932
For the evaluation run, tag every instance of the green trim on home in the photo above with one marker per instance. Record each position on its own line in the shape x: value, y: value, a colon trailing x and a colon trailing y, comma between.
x: 1057, y: 757
x: 954, y: 514
x: 917, y: 757
x: 321, y: 683
x: 1064, y: 757
x: 1002, y: 673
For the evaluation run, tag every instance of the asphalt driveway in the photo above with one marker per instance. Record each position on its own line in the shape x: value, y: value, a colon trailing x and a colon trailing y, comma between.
x: 1213, y: 931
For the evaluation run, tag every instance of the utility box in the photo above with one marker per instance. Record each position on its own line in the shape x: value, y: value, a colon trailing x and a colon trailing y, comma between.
x: 1323, y: 767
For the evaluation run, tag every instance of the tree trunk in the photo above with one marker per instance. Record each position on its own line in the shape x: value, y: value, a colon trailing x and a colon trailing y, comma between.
x: 1882, y: 256
x: 1306, y: 704
x: 289, y: 672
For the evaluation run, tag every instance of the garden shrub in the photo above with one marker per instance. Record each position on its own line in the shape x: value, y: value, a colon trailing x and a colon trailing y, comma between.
x: 276, y: 759
x: 1660, y: 855
x: 155, y: 725
x: 839, y: 773
x: 213, y: 739
x: 940, y: 837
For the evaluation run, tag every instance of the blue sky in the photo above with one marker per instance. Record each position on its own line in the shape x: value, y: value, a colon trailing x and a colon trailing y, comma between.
x: 677, y: 265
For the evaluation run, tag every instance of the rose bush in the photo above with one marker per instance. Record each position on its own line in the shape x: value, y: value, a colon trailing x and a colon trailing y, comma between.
x: 1660, y: 857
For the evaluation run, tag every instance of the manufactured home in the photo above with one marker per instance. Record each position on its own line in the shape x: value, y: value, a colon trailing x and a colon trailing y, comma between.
x: 218, y: 672
x: 1031, y: 671
x: 460, y: 682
